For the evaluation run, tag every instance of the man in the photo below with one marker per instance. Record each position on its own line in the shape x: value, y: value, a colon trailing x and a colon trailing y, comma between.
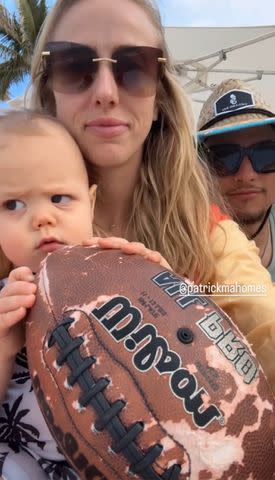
x: 237, y: 136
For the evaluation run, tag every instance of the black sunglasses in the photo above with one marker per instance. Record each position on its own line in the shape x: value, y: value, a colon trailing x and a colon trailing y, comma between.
x: 226, y: 159
x: 72, y: 67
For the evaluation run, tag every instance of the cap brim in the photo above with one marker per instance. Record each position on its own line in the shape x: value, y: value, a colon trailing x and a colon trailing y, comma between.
x: 201, y: 136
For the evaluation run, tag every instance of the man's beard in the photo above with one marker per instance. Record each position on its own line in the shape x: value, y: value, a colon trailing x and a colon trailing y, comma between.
x: 249, y: 218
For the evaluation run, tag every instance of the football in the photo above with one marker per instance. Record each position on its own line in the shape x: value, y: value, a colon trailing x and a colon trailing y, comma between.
x: 138, y: 379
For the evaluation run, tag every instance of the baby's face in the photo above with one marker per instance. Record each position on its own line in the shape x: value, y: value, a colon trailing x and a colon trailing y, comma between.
x: 44, y: 195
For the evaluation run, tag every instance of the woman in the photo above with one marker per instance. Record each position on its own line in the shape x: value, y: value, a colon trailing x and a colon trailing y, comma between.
x: 139, y: 143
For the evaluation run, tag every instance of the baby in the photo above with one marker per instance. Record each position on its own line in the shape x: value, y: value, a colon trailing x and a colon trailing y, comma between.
x: 45, y: 203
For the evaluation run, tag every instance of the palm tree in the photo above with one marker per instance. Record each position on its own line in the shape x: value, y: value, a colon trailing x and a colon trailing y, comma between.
x: 18, y: 33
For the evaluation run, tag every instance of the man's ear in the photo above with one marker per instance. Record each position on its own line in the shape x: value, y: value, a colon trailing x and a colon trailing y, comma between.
x: 92, y: 195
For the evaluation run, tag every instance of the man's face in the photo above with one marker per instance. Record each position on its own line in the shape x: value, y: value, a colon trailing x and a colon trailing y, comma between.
x: 248, y: 193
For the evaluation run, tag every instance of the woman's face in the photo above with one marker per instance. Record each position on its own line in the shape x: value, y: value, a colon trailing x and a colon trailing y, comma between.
x: 109, y: 124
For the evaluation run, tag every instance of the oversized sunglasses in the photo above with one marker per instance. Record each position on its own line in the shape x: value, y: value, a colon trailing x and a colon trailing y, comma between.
x: 226, y: 159
x: 72, y: 67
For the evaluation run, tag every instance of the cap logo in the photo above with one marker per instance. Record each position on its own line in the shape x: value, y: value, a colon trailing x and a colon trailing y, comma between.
x: 233, y: 100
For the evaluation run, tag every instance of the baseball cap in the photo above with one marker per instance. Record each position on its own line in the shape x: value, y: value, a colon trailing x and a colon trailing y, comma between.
x: 233, y: 105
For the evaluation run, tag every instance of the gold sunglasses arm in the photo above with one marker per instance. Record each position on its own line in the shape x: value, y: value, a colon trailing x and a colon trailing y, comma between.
x: 162, y: 60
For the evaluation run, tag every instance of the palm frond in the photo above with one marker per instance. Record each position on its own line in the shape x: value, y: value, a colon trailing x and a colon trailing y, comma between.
x: 26, y: 21
x: 18, y: 33
x: 39, y: 11
x: 5, y: 51
x: 32, y: 14
x: 9, y: 28
x: 11, y: 72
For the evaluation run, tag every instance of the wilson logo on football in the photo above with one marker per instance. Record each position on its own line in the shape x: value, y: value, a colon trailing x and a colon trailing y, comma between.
x: 122, y: 320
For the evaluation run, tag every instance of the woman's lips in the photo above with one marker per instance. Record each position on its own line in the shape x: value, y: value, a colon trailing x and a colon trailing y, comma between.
x: 107, y: 128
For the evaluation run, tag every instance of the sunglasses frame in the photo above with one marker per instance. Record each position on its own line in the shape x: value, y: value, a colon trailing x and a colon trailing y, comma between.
x: 209, y: 151
x: 47, y: 53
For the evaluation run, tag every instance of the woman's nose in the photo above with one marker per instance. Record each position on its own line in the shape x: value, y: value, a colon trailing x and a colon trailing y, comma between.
x: 105, y: 89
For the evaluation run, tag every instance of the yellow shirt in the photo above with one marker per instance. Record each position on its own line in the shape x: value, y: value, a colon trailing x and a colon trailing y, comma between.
x: 237, y: 261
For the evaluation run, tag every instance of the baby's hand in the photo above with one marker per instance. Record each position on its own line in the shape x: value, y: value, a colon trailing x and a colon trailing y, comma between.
x: 17, y: 295
x: 131, y: 248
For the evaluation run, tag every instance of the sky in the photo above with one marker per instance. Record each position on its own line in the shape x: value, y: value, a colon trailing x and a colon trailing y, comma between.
x: 183, y: 13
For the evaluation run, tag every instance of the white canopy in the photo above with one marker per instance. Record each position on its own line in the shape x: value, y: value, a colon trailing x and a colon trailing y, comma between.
x: 204, y: 56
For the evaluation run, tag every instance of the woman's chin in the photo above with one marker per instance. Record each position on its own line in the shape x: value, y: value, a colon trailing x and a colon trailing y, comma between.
x: 111, y: 156
x: 108, y: 160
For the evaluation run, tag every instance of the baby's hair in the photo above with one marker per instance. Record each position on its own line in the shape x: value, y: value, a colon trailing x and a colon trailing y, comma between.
x: 24, y: 122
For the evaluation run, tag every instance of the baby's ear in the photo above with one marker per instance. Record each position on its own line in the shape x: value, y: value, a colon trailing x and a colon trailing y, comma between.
x: 92, y: 195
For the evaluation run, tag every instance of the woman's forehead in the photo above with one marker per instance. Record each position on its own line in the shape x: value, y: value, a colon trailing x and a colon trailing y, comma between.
x: 107, y: 24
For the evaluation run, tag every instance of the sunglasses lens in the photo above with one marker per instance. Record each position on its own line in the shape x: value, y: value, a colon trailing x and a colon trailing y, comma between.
x: 70, y: 68
x: 226, y: 160
x: 223, y: 159
x: 137, y: 70
x: 263, y: 158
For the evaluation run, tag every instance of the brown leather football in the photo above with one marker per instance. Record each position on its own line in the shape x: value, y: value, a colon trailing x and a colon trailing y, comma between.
x: 138, y: 380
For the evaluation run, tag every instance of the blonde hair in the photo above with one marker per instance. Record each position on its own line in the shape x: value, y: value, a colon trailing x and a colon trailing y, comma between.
x: 172, y: 199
